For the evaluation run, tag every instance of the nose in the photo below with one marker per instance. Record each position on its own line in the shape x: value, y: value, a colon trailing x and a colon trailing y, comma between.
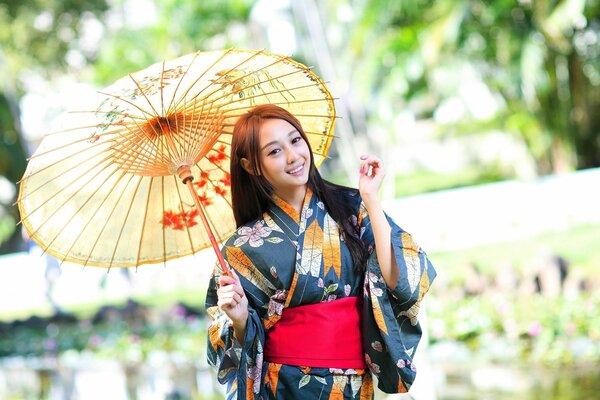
x: 291, y: 156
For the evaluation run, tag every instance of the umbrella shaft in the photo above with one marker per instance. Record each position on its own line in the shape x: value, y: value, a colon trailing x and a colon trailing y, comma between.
x: 211, y: 236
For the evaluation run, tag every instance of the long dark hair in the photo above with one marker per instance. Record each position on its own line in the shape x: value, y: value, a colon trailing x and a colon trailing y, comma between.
x: 251, y: 192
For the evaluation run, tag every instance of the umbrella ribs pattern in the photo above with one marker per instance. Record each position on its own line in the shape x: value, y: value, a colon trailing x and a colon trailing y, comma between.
x: 106, y: 190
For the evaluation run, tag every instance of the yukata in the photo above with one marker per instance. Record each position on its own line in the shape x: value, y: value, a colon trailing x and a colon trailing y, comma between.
x: 285, y: 260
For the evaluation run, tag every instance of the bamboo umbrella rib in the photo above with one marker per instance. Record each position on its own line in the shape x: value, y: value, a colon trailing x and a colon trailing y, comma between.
x: 308, y: 132
x: 175, y: 103
x: 132, y: 104
x: 192, y: 137
x: 143, y: 92
x: 34, y: 173
x: 140, y: 128
x: 73, y: 129
x: 187, y: 141
x: 130, y: 205
x: 212, y: 136
x: 98, y: 208
x: 135, y: 163
x: 242, y: 108
x: 57, y: 209
x: 224, y: 94
x: 279, y: 91
x: 164, y: 227
x: 208, y: 136
x: 174, y: 114
x: 273, y: 78
x: 162, y: 99
x: 165, y: 159
x: 107, y: 158
x: 99, y: 112
x: 211, y: 126
x: 179, y: 139
x: 209, y: 69
x: 195, y: 127
x: 262, y: 94
x: 143, y: 229
x: 66, y: 224
x: 114, y: 208
x: 223, y: 142
x: 62, y: 147
x: 217, y: 89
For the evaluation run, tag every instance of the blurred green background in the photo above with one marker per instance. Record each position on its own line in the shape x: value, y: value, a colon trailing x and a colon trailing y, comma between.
x: 486, y: 114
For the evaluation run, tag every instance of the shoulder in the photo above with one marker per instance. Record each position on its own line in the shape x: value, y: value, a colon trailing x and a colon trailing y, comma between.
x: 249, y: 235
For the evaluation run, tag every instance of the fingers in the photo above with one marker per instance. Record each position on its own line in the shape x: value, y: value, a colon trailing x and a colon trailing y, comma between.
x: 229, y: 299
x: 370, y: 165
x: 225, y: 280
x: 231, y: 288
x: 229, y: 278
x: 230, y: 292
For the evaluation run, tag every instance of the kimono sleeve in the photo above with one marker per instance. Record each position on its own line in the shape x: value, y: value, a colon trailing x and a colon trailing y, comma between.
x: 392, y: 330
x: 238, y: 366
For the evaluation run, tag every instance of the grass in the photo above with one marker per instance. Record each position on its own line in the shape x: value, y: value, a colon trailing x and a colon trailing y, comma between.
x: 430, y: 181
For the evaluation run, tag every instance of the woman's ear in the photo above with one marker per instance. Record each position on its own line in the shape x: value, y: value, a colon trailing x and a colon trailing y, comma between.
x: 246, y: 165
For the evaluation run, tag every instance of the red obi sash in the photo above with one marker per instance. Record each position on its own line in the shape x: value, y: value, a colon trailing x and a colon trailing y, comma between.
x: 324, y: 335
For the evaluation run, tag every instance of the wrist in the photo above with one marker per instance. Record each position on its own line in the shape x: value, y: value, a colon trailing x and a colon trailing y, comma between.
x: 239, y: 324
x: 371, y: 200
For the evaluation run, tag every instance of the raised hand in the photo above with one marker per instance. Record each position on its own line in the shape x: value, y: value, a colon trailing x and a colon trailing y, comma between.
x: 371, y: 176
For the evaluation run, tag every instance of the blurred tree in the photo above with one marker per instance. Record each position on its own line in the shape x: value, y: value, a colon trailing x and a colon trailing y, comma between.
x: 540, y: 57
x: 168, y: 28
x: 36, y: 37
x: 105, y: 39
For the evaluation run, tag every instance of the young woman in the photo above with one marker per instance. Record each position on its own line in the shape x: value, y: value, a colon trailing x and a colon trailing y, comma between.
x: 325, y: 288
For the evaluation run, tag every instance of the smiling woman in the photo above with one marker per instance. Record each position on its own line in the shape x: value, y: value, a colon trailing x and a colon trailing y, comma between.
x: 284, y: 160
x: 306, y: 249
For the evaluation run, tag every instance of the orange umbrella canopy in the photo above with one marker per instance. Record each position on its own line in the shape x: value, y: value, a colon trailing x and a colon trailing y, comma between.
x: 107, y: 190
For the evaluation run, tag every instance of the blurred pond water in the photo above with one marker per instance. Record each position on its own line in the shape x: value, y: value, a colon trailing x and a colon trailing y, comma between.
x: 165, y: 376
x: 495, y: 382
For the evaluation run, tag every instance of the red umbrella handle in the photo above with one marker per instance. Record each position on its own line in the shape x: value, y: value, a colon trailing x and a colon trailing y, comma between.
x: 211, y: 236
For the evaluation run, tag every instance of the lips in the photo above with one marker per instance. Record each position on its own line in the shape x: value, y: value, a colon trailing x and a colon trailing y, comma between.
x: 296, y: 170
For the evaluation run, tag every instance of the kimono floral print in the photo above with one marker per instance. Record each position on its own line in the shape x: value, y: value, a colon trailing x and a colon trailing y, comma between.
x: 287, y: 259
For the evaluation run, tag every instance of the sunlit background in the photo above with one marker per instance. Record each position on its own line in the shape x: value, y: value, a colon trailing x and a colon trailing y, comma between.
x: 486, y: 114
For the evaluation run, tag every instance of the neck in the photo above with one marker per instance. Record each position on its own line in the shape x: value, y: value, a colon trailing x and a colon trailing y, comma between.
x: 294, y: 198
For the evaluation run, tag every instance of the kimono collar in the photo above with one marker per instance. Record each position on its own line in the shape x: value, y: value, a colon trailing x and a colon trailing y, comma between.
x: 288, y: 209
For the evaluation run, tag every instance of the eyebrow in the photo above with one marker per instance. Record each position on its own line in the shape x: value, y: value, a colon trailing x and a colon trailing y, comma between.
x: 290, y: 133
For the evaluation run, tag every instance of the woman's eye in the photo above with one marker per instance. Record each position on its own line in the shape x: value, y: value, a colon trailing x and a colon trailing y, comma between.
x: 296, y: 139
x: 274, y: 151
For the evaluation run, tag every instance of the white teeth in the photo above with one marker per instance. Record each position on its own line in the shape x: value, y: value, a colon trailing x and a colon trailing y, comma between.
x: 296, y: 170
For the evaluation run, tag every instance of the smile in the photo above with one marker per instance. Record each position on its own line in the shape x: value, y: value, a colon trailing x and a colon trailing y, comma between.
x: 296, y: 170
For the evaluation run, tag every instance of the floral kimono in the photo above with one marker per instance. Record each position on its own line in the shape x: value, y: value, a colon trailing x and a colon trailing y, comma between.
x: 285, y: 260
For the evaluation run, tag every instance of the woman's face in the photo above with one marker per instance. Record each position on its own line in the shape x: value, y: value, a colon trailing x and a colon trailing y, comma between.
x: 284, y: 157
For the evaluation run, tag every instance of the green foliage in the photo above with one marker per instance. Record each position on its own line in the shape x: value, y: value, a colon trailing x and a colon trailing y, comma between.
x: 427, y: 181
x: 171, y: 331
x: 37, y: 34
x: 501, y: 325
x: 540, y: 57
x: 535, y: 329
x: 181, y: 27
